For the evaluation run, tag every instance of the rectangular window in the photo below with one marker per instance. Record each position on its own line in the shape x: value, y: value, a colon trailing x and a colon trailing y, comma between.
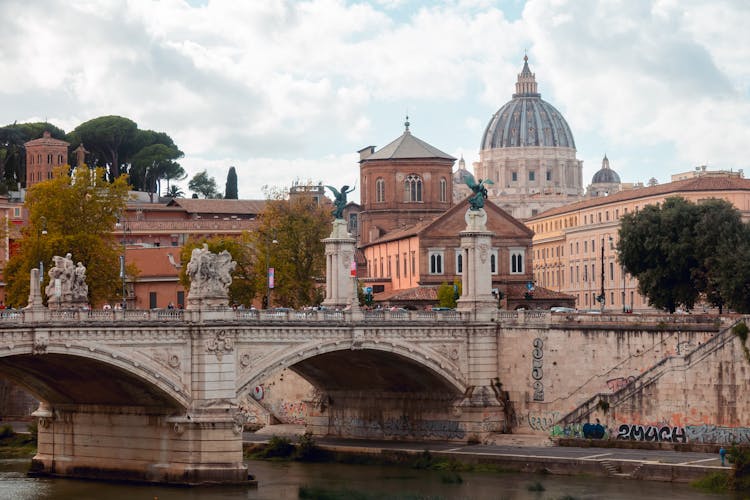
x: 152, y: 300
x: 181, y: 299
x: 413, y: 263
x: 493, y: 262
x: 436, y: 261
x: 517, y: 256
x: 398, y: 269
x: 585, y: 274
x: 549, y: 175
x: 406, y: 267
x: 612, y: 271
x: 459, y: 261
x: 16, y: 212
x: 532, y: 175
x: 585, y: 246
x: 514, y: 176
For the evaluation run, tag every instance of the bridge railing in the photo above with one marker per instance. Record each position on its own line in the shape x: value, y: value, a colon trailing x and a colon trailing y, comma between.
x: 538, y: 317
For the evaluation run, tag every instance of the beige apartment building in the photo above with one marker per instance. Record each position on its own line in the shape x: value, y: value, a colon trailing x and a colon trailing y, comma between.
x: 574, y: 246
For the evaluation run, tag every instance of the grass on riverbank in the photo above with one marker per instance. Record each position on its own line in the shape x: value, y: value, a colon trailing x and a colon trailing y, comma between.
x: 17, y: 445
x: 738, y: 479
x: 306, y: 450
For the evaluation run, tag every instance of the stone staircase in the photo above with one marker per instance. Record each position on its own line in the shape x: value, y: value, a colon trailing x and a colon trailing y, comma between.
x: 616, y: 471
x: 585, y: 410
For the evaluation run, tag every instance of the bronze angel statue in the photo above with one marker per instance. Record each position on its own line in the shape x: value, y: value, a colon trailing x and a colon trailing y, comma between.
x: 476, y: 200
x: 339, y: 201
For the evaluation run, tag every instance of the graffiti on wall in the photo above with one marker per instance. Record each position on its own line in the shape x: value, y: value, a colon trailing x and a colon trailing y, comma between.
x: 585, y: 431
x: 291, y: 412
x: 615, y: 384
x: 541, y: 421
x: 537, y: 373
x: 716, y: 434
x: 652, y: 433
x: 399, y: 427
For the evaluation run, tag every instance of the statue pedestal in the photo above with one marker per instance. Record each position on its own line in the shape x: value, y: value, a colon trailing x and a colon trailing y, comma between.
x: 341, y: 291
x: 476, y: 281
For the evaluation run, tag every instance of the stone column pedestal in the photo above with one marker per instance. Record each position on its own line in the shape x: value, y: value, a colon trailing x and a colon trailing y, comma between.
x: 476, y: 281
x: 341, y: 291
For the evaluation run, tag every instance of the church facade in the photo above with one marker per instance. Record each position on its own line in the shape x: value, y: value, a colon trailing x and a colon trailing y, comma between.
x: 409, y: 228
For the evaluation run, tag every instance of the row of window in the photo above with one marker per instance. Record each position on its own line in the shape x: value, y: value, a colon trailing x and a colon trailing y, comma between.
x: 532, y: 176
x: 49, y: 159
x: 436, y: 259
x: 572, y: 221
x: 589, y: 299
x: 412, y: 189
x: 547, y: 277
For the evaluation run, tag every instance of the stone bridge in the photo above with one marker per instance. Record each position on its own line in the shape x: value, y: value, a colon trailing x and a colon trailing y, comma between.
x: 157, y: 395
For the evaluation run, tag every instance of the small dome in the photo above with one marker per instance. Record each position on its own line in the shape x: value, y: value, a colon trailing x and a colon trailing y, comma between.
x: 527, y: 120
x: 605, y: 175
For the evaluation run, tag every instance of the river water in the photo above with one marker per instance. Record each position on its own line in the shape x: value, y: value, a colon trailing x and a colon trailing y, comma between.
x: 290, y: 480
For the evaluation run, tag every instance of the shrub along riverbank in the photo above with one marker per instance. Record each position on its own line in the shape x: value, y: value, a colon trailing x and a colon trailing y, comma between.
x: 17, y: 445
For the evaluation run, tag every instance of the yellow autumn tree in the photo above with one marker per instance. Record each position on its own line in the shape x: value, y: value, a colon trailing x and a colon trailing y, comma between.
x: 70, y: 213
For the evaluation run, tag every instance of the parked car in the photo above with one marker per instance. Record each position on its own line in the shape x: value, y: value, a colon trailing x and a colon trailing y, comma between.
x: 562, y: 310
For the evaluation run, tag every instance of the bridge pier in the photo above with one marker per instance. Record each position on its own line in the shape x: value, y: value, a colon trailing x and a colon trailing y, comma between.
x: 137, y: 444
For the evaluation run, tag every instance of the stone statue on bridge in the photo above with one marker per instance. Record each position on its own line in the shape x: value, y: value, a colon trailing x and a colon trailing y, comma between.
x: 210, y: 276
x: 67, y: 283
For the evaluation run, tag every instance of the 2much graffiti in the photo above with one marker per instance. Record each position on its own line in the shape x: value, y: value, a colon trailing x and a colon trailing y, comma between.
x: 652, y: 433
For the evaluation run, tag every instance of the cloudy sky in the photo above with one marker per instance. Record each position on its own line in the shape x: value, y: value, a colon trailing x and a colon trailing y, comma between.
x: 288, y: 91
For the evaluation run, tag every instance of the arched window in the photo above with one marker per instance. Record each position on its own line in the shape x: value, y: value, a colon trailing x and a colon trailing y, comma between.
x: 516, y: 260
x: 436, y: 261
x: 443, y: 189
x: 380, y: 190
x: 413, y: 188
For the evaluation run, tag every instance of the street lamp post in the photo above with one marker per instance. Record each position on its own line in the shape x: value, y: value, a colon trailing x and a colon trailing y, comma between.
x: 123, y: 274
x: 602, y: 297
x: 42, y: 232
x: 269, y: 278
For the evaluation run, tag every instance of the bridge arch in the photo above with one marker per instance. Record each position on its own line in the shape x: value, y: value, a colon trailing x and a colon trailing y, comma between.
x: 388, y: 366
x: 90, y: 375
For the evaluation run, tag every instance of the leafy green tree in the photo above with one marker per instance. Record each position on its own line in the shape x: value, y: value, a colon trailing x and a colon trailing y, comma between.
x: 676, y: 250
x: 448, y: 294
x: 150, y: 165
x: 230, y: 191
x: 78, y: 215
x: 201, y: 183
x: 289, y: 239
x: 110, y: 139
x: 243, y: 288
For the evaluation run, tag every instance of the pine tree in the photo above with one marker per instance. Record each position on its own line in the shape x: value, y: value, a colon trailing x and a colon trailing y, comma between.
x: 230, y: 192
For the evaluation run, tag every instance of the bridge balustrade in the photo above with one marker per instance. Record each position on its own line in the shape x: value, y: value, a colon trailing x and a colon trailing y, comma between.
x: 322, y: 315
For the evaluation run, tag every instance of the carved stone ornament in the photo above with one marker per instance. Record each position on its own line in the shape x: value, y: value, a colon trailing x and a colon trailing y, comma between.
x: 67, y: 283
x: 220, y: 344
x: 174, y: 361
x: 484, y: 252
x: 210, y: 273
x: 41, y: 341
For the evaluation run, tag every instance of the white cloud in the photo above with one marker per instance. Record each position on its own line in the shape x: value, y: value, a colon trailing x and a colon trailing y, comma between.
x: 290, y: 90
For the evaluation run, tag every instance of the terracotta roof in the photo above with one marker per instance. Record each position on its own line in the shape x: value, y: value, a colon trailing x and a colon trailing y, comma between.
x: 210, y: 206
x: 408, y: 147
x: 516, y: 291
x: 47, y: 140
x: 416, y: 293
x: 461, y: 206
x: 154, y: 262
x: 702, y: 183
